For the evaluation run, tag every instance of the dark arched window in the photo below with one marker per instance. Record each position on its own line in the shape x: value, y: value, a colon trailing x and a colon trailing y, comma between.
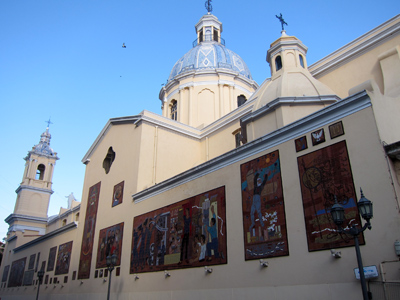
x: 301, y: 60
x: 278, y: 63
x: 174, y: 110
x: 241, y: 100
x: 201, y: 36
x: 40, y: 172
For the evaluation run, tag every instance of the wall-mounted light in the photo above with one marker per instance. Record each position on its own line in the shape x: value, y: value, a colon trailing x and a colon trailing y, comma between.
x: 208, y: 270
x: 263, y: 263
x: 167, y: 274
x: 336, y: 254
x: 136, y: 277
x: 397, y: 247
x: 81, y: 282
x: 104, y: 280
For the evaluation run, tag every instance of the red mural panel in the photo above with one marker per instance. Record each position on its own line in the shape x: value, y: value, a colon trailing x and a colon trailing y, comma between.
x: 110, y: 242
x: 63, y: 258
x: 324, y: 174
x: 190, y: 233
x: 264, y: 222
x: 17, y: 272
x: 88, y: 232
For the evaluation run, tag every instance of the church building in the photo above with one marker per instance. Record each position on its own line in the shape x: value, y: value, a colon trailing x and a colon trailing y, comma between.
x: 230, y: 192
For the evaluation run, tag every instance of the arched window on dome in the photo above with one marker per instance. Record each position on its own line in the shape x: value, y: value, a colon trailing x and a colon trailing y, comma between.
x: 215, y: 35
x: 241, y: 99
x: 174, y: 110
x: 301, y: 60
x: 40, y: 172
x: 201, y: 36
x: 278, y: 63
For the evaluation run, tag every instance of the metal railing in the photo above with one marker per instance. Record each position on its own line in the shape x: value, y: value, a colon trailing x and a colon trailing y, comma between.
x: 208, y: 38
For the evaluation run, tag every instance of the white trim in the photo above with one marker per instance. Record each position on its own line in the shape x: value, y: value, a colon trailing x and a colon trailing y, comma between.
x: 49, y: 235
x: 22, y: 228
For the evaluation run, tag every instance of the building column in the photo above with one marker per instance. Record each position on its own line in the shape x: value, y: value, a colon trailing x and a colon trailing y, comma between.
x: 221, y: 99
x: 190, y: 104
x: 232, y: 102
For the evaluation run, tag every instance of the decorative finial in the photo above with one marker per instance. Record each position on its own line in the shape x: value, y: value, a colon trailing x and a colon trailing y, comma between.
x: 209, y: 6
x: 282, y: 21
x: 48, y: 123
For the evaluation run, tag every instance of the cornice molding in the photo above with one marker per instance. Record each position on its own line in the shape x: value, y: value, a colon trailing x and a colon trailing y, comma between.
x: 320, y: 118
x: 280, y: 101
x: 356, y: 48
x: 32, y: 188
x: 17, y: 217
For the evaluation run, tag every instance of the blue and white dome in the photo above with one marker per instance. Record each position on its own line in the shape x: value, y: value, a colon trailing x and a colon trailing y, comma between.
x: 209, y: 56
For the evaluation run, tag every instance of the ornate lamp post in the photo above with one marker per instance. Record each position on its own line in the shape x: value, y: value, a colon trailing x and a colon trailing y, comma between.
x: 40, y: 275
x: 111, y: 262
x: 365, y: 209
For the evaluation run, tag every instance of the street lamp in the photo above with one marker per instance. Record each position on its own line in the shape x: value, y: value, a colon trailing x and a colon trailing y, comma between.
x: 365, y: 209
x: 40, y: 275
x: 111, y: 262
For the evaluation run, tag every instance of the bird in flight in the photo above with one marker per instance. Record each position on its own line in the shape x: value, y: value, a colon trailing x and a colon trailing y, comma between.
x: 123, y: 45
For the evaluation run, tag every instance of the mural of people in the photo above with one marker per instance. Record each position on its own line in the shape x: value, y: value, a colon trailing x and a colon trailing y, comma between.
x: 110, y: 242
x: 186, y: 234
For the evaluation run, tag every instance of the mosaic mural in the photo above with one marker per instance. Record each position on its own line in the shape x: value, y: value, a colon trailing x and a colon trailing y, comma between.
x: 17, y: 272
x: 264, y: 222
x: 189, y: 233
x: 324, y: 174
x: 52, y: 259
x: 28, y: 277
x: 63, y: 258
x: 110, y: 242
x: 118, y: 194
x: 88, y: 232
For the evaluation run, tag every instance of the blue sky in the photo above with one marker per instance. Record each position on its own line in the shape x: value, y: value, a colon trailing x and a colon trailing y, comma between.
x: 64, y: 60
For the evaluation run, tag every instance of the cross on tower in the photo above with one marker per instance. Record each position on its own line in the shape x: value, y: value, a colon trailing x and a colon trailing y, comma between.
x: 48, y: 123
x: 282, y: 21
x: 208, y: 6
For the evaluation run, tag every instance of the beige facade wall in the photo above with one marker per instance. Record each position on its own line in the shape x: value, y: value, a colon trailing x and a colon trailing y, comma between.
x: 300, y: 274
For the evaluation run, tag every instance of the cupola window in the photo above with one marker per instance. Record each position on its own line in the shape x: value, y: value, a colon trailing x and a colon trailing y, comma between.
x: 301, y: 60
x: 241, y: 100
x: 201, y: 36
x: 174, y: 110
x: 108, y: 160
x: 40, y: 172
x: 215, y: 35
x: 278, y: 63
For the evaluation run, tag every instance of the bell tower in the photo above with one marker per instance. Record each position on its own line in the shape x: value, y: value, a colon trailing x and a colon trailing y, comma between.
x: 33, y: 194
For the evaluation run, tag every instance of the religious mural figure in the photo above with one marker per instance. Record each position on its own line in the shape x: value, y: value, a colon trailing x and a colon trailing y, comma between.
x: 110, y: 242
x: 189, y: 233
x: 88, y: 232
